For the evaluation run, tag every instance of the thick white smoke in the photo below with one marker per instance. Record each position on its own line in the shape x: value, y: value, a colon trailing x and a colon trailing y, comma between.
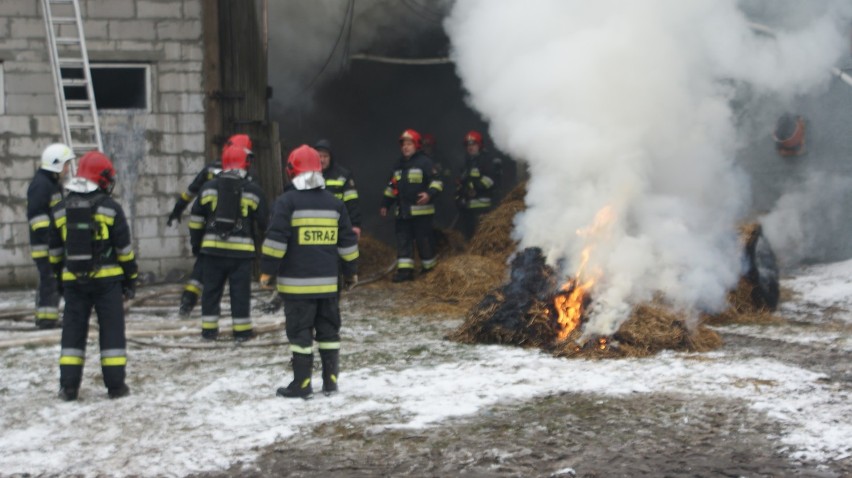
x: 626, y: 104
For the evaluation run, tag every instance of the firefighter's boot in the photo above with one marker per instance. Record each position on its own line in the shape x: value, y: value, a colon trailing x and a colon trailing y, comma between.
x: 187, y: 303
x: 68, y: 394
x: 300, y: 387
x: 330, y: 367
x: 403, y: 275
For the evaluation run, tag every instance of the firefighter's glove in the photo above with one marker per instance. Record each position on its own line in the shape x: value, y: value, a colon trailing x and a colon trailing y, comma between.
x: 265, y: 281
x: 128, y: 289
x: 349, y: 282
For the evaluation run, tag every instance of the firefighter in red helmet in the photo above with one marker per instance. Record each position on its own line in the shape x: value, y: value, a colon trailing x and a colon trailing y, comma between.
x: 412, y: 187
x: 192, y: 289
x: 476, y: 185
x: 97, y: 268
x: 310, y: 236
x: 230, y: 213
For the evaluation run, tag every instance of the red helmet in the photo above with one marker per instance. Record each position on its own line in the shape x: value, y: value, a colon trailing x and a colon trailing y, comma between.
x: 239, y: 140
x: 429, y: 138
x: 473, y: 136
x: 235, y: 157
x: 412, y: 135
x: 302, y: 160
x: 97, y: 168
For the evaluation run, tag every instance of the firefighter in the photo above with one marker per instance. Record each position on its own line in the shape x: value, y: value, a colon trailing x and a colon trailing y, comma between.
x: 98, y: 268
x: 412, y: 187
x: 339, y: 181
x: 225, y: 222
x: 475, y: 188
x: 309, y: 230
x: 192, y: 289
x: 443, y: 203
x: 44, y: 192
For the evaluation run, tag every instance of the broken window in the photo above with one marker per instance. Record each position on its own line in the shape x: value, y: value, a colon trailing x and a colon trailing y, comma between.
x: 116, y: 86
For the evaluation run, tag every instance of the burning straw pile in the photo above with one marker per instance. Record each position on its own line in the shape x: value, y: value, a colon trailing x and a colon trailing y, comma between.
x: 524, y: 312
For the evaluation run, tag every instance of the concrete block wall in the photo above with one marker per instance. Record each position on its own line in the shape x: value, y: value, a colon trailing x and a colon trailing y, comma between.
x: 156, y: 152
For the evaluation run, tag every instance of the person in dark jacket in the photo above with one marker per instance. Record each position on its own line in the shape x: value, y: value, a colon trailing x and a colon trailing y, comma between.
x: 192, y: 289
x: 476, y: 184
x: 340, y: 183
x: 98, y: 269
x: 225, y: 223
x: 309, y: 232
x: 412, y: 187
x: 44, y: 192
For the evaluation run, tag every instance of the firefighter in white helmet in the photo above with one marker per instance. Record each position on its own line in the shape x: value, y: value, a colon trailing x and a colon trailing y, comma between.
x: 45, y: 191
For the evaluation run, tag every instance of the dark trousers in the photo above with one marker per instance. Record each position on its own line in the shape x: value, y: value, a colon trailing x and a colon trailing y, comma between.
x: 47, y: 295
x: 309, y: 318
x: 468, y: 220
x: 195, y: 283
x: 107, y: 300
x: 410, y: 230
x: 219, y: 270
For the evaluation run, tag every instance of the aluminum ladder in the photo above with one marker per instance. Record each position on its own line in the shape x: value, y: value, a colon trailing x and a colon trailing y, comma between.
x: 69, y: 60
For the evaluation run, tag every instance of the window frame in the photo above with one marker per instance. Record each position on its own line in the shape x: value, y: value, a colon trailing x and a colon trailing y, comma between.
x: 148, y: 85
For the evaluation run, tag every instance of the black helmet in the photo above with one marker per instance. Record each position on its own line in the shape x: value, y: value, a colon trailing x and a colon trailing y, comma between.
x: 323, y: 145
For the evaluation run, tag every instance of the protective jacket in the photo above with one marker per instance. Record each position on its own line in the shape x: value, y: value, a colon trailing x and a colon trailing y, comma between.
x: 240, y: 242
x: 476, y: 183
x: 112, y: 258
x: 309, y: 230
x: 44, y: 193
x: 410, y: 177
x: 206, y: 174
x: 339, y: 182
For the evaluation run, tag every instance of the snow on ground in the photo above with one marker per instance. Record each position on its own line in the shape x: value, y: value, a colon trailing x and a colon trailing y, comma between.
x: 193, y: 410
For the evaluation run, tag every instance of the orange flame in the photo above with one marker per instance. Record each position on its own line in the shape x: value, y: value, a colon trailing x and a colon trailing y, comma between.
x: 569, y: 303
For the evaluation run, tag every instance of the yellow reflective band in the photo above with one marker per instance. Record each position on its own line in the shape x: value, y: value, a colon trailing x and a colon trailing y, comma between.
x: 210, y: 199
x: 60, y: 221
x: 389, y: 193
x: 307, y: 289
x: 338, y: 195
x: 246, y: 204
x: 39, y: 254
x: 296, y: 349
x: 439, y: 185
x: 210, y: 325
x: 193, y: 289
x: 233, y: 246
x: 241, y: 327
x: 126, y: 257
x: 350, y: 196
x: 186, y: 196
x: 404, y: 265
x: 54, y: 202
x: 56, y: 259
x: 47, y: 315
x: 350, y: 257
x: 314, y: 221
x: 334, y: 182
x: 415, y: 178
x: 305, y: 383
x: 101, y: 273
x: 270, y: 251
x: 318, y: 236
x: 113, y: 361
x: 70, y: 360
x: 39, y: 225
x: 196, y: 225
x: 108, y: 220
x: 328, y: 345
x: 423, y: 212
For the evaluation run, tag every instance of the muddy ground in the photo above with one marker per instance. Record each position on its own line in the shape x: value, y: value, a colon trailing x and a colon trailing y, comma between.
x: 564, y: 434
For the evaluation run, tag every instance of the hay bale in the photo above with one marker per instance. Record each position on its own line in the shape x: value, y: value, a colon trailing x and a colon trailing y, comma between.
x: 464, y: 278
x: 493, y: 234
x: 518, y: 193
x: 374, y: 256
x: 449, y: 242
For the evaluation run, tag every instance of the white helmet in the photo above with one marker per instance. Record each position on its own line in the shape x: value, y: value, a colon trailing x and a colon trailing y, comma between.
x: 54, y: 157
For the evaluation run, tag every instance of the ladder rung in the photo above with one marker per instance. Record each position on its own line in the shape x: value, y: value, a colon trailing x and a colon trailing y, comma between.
x: 64, y: 20
x: 72, y: 61
x: 77, y: 104
x: 81, y: 125
x: 61, y: 1
x: 74, y: 82
x: 86, y: 146
x: 68, y: 41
